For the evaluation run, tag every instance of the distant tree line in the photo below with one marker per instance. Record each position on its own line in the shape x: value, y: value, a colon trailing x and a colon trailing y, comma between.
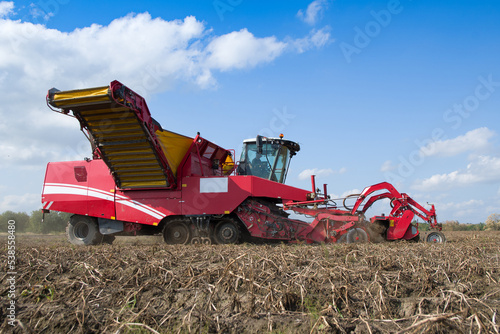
x: 492, y: 223
x: 53, y: 222
x: 454, y: 225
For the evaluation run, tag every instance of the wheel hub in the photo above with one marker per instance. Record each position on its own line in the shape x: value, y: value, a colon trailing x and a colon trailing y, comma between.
x: 177, y: 233
x: 227, y: 233
x: 81, y: 230
x: 357, y: 235
x: 436, y: 237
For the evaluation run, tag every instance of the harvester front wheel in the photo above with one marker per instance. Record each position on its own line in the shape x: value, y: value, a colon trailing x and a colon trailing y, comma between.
x: 227, y: 232
x: 436, y: 237
x: 82, y: 230
x: 357, y: 235
x: 177, y: 233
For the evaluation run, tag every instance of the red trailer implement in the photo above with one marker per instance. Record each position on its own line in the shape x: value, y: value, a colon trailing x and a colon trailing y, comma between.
x: 143, y: 179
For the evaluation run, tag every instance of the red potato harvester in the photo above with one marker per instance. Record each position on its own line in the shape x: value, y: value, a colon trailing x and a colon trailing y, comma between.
x: 143, y: 179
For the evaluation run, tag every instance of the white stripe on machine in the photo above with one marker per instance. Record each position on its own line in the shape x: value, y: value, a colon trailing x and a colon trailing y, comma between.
x: 70, y: 189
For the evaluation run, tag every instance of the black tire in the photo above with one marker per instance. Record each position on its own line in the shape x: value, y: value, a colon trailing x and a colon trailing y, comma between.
x: 436, y: 237
x: 83, y: 231
x: 177, y: 232
x: 357, y: 235
x: 227, y: 232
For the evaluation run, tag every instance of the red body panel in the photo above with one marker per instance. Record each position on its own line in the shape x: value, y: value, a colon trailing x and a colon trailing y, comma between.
x: 87, y: 188
x: 62, y: 191
x: 96, y: 195
x: 99, y: 178
x: 147, y: 207
x: 222, y: 195
x: 398, y: 229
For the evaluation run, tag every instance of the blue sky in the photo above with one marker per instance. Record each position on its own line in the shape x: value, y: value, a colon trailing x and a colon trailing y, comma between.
x: 400, y: 91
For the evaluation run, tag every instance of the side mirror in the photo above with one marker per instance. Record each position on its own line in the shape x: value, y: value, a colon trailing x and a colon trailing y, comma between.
x: 259, y: 144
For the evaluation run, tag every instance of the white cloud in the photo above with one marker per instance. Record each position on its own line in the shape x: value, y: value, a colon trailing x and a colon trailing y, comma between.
x: 481, y: 169
x: 474, y: 140
x: 241, y: 49
x: 147, y: 54
x: 161, y: 51
x: 313, y: 12
x: 20, y: 202
x: 36, y: 12
x: 6, y: 8
x: 305, y: 174
x: 387, y: 166
x: 354, y: 191
x: 315, y: 39
x: 456, y: 211
x: 457, y: 206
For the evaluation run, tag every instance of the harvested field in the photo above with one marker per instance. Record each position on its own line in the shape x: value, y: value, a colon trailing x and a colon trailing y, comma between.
x: 141, y: 285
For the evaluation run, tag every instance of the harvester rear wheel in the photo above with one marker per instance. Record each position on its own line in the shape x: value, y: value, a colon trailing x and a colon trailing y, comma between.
x: 436, y: 237
x: 177, y: 233
x: 83, y: 230
x: 357, y: 235
x: 227, y: 231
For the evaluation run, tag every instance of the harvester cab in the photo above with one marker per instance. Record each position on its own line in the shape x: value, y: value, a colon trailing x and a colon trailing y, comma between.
x: 268, y: 158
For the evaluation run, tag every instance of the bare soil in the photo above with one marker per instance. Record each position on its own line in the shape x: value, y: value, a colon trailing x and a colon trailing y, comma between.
x: 141, y: 285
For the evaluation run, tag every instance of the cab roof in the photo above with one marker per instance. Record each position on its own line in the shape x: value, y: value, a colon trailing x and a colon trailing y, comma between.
x: 272, y: 140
